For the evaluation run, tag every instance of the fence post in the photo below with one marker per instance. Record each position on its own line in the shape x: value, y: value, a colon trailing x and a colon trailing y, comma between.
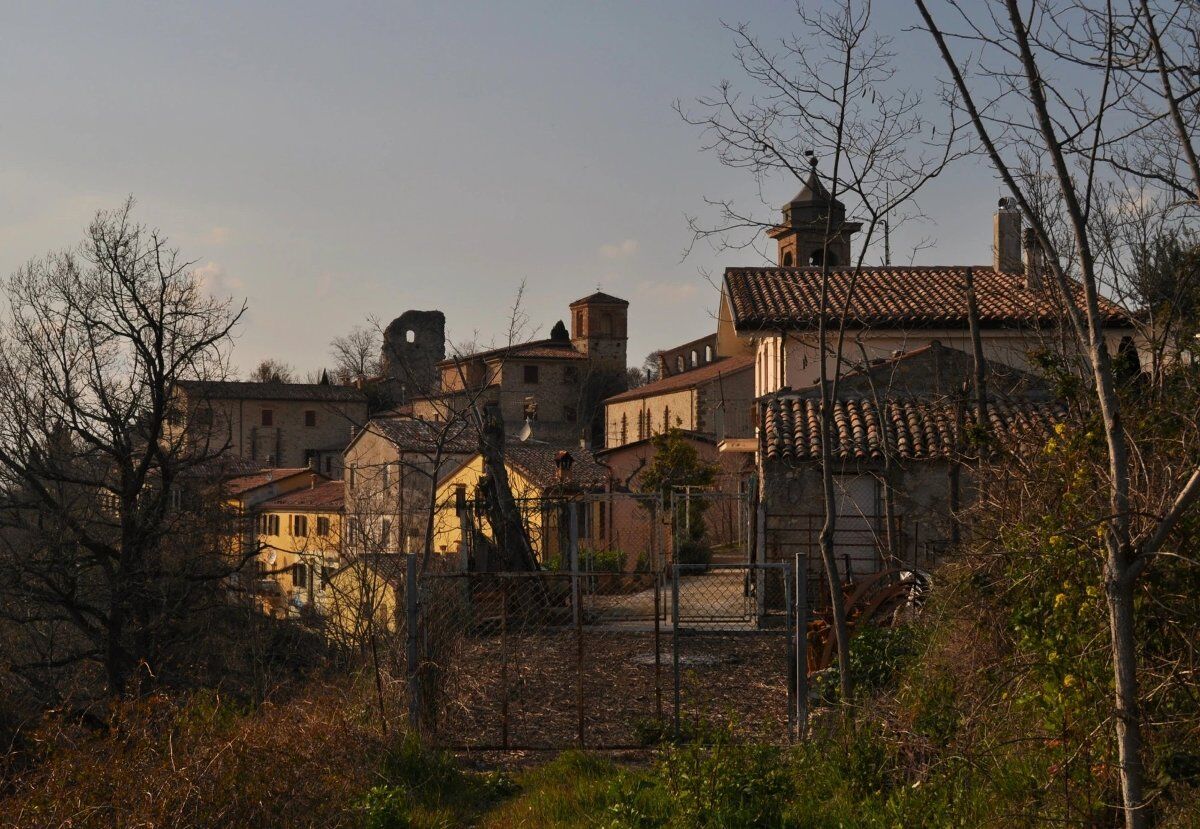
x: 760, y: 558
x: 412, y: 621
x: 675, y: 638
x: 793, y: 648
x: 801, y: 575
x: 577, y: 610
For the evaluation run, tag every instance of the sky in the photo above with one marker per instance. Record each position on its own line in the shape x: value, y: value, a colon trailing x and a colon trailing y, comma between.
x: 334, y: 162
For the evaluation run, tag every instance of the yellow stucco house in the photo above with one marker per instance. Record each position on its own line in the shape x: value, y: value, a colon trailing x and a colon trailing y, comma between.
x: 541, y: 476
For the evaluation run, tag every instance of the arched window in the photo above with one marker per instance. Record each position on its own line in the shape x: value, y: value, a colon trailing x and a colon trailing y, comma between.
x: 679, y: 363
x: 817, y: 257
x: 695, y: 358
x: 787, y: 259
x: 708, y: 354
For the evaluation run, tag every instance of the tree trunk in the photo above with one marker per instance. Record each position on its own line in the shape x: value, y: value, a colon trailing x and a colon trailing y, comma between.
x: 1119, y: 588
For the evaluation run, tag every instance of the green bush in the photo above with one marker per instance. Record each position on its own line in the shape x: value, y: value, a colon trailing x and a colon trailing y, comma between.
x: 603, y: 561
x: 694, y: 551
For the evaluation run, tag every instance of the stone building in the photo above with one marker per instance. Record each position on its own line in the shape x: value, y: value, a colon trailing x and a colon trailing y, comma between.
x: 555, y: 386
x: 392, y: 467
x: 902, y: 412
x: 272, y: 424
x: 713, y: 399
x: 773, y: 312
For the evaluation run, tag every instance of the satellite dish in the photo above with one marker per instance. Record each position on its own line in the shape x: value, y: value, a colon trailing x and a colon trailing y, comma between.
x: 526, y: 432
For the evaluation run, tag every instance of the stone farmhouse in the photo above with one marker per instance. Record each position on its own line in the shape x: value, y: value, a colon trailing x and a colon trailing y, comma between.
x: 272, y: 424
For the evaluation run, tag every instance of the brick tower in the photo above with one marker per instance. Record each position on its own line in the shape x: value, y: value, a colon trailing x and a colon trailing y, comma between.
x: 805, y: 218
x: 599, y: 330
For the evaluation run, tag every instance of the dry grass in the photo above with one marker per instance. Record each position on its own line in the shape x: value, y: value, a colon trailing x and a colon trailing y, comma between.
x: 304, y: 761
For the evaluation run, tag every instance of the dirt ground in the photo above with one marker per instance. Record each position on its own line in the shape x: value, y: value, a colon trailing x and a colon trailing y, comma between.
x: 530, y: 690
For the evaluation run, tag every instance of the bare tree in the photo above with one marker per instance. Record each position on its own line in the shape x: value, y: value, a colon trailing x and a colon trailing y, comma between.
x: 1123, y: 130
x: 828, y: 92
x: 95, y: 342
x: 356, y: 354
x: 271, y: 370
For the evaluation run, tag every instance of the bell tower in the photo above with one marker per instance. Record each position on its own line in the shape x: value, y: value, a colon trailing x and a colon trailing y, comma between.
x: 599, y: 330
x: 801, y: 235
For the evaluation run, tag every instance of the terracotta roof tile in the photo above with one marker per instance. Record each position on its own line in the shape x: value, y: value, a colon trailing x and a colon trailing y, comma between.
x: 536, y: 350
x: 415, y: 435
x: 244, y: 483
x: 244, y: 390
x: 599, y: 297
x: 911, y: 429
x: 914, y: 296
x: 687, y: 379
x: 537, y: 462
x: 324, y: 496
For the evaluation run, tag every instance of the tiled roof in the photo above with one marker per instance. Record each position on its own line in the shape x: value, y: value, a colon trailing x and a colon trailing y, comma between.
x: 536, y: 461
x: 244, y: 483
x: 414, y: 435
x: 909, y: 429
x: 914, y: 296
x: 244, y: 390
x: 324, y: 496
x: 535, y: 350
x: 687, y: 379
x: 599, y: 298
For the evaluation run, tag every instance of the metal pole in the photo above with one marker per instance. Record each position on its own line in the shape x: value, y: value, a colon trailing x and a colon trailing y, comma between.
x: 657, y: 642
x: 411, y: 608
x: 504, y: 662
x: 793, y: 655
x: 675, y: 638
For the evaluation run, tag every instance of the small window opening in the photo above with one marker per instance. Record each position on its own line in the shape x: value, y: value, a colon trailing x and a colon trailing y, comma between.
x: 410, y: 336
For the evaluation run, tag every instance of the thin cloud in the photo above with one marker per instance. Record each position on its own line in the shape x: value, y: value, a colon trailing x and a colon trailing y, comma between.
x: 619, y: 250
x: 216, y: 280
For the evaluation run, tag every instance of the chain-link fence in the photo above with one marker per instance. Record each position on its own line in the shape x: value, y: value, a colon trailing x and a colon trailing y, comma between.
x: 612, y: 644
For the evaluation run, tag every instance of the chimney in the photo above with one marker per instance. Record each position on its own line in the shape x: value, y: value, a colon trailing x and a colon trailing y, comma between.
x: 1035, y: 263
x: 1006, y: 238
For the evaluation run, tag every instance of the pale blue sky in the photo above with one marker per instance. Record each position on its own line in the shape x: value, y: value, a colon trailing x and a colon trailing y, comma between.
x: 333, y: 161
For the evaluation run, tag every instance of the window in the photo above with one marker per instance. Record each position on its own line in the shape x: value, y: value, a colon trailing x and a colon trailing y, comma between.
x: 708, y: 354
x: 268, y: 524
x: 310, y: 417
x: 385, y: 532
x: 329, y: 465
x: 569, y: 414
x: 268, y: 417
x: 624, y: 429
x: 531, y: 374
x: 643, y: 424
x: 410, y: 336
x: 787, y: 259
x: 666, y: 418
x: 322, y: 525
x: 695, y: 358
x: 570, y: 375
x: 299, y: 575
x: 579, y: 323
x: 387, y: 475
x: 679, y: 363
x: 299, y: 526
x: 353, y: 476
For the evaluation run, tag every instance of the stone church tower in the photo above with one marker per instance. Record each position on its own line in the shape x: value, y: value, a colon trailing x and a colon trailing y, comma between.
x: 802, y: 232
x: 599, y: 330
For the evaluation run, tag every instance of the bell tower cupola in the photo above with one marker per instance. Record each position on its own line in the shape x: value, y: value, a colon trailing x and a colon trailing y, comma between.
x: 806, y: 218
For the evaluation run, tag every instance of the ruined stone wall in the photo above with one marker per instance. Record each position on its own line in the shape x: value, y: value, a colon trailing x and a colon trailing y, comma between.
x: 413, y: 344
